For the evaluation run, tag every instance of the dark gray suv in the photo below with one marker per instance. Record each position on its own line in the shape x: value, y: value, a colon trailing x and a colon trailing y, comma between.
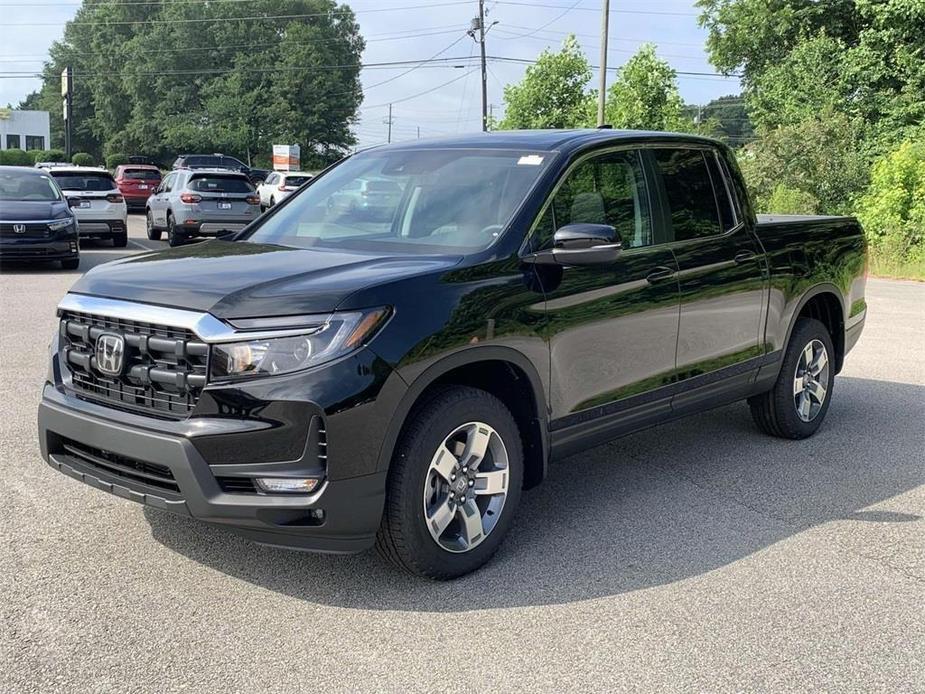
x: 191, y: 203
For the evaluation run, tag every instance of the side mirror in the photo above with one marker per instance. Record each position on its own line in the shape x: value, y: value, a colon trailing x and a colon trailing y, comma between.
x: 582, y: 244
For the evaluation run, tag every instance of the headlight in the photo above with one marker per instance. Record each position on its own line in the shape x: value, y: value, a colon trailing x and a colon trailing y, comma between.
x: 60, y: 224
x: 333, y: 337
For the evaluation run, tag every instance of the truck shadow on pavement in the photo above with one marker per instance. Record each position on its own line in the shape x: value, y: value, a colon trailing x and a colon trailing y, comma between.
x: 663, y: 505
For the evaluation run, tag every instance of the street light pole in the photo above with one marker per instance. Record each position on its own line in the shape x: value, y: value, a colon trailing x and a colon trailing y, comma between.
x: 602, y: 90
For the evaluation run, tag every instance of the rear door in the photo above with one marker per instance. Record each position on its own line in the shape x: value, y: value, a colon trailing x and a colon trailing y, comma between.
x: 612, y: 328
x: 158, y: 202
x: 720, y: 272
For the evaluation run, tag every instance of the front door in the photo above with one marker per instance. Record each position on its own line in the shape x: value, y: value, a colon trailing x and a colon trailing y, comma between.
x: 720, y: 273
x: 612, y: 328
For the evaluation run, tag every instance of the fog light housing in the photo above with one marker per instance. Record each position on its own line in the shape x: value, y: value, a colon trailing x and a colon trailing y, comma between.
x: 288, y: 485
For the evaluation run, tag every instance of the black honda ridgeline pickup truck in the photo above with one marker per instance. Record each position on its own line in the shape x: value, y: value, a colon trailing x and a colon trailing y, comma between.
x: 392, y: 354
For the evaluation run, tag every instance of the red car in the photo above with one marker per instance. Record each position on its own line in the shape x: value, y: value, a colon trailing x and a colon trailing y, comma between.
x: 137, y: 182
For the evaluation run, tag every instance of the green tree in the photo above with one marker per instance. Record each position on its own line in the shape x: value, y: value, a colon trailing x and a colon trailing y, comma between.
x: 733, y: 123
x: 893, y: 207
x: 821, y: 157
x: 645, y: 95
x: 553, y: 93
x: 158, y: 78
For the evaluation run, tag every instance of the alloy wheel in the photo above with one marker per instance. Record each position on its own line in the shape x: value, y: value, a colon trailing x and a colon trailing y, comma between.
x: 466, y: 486
x: 810, y: 381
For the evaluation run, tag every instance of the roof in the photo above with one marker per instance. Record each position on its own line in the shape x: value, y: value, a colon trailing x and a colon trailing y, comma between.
x: 143, y: 167
x: 79, y: 169
x: 214, y: 170
x: 544, y: 140
x: 30, y: 170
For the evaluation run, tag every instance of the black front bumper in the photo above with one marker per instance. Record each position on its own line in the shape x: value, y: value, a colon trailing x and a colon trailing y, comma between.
x: 350, y: 508
x: 39, y: 249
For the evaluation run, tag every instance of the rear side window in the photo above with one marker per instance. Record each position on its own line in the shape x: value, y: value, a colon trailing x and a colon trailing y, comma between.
x: 75, y: 180
x: 220, y: 184
x: 689, y: 192
x: 721, y: 187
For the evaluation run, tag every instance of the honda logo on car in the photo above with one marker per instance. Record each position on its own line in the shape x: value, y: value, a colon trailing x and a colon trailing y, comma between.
x: 19, y: 228
x: 109, y: 352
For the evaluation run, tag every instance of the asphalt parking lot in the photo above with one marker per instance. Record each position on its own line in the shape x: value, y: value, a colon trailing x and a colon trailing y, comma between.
x: 697, y: 556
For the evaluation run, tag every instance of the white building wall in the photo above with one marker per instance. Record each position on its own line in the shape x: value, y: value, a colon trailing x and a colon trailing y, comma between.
x: 24, y: 124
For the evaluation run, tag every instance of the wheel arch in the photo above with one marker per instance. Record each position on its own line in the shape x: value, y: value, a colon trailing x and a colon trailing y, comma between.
x: 824, y: 303
x: 501, y: 371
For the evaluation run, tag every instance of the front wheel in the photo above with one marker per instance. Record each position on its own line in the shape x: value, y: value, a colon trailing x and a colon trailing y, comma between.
x: 797, y: 404
x: 70, y: 263
x: 454, y: 485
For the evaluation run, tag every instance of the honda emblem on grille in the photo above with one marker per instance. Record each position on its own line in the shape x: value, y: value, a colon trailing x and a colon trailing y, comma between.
x: 19, y: 228
x: 110, y: 350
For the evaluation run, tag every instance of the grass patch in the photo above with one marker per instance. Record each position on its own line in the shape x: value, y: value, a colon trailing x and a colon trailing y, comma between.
x: 897, y: 269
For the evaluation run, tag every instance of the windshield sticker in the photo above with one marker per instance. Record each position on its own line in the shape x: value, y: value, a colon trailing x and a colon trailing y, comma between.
x: 530, y: 160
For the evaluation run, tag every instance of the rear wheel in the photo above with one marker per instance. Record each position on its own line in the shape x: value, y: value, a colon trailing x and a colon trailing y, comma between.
x: 453, y: 486
x: 154, y: 234
x: 173, y: 236
x: 120, y: 240
x: 797, y: 404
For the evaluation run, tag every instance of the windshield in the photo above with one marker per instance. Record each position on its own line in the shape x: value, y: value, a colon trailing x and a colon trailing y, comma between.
x: 25, y: 187
x: 220, y: 184
x: 141, y: 175
x: 412, y: 201
x: 75, y: 180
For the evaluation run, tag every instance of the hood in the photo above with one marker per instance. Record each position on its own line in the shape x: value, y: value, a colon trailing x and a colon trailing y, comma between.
x: 247, y: 280
x: 32, y: 210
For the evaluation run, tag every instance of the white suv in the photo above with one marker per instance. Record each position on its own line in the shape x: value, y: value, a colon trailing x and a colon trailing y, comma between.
x: 281, y: 184
x: 94, y: 197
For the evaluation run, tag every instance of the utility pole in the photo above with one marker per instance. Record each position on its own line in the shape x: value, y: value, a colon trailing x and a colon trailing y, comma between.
x: 602, y: 90
x: 484, y: 66
x: 491, y: 113
x: 67, y: 91
x: 477, y: 27
x: 388, y: 121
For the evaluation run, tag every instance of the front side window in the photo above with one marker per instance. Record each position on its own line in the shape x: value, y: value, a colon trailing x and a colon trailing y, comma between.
x: 86, y: 182
x: 606, y: 189
x: 409, y: 201
x: 689, y: 192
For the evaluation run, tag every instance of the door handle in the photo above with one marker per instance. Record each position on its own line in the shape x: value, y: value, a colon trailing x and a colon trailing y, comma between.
x: 658, y: 274
x: 744, y: 257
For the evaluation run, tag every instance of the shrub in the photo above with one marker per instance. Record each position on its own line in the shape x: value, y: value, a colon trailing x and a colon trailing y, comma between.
x: 47, y: 155
x: 786, y: 200
x: 83, y: 159
x: 892, y: 209
x: 113, y: 160
x: 15, y: 157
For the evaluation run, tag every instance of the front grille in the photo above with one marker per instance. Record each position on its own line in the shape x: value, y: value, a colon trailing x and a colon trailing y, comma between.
x: 140, y: 472
x: 33, y: 230
x: 164, y: 368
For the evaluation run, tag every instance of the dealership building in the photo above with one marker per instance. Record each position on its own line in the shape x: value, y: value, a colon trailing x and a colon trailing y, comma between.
x: 24, y: 129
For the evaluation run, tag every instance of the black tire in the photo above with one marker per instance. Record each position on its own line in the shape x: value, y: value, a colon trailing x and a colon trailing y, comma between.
x: 173, y: 237
x: 120, y: 240
x: 272, y: 201
x: 403, y: 536
x: 70, y: 263
x: 775, y: 411
x: 154, y: 234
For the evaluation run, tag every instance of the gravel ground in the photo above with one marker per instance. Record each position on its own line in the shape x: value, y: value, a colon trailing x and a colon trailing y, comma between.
x: 697, y: 556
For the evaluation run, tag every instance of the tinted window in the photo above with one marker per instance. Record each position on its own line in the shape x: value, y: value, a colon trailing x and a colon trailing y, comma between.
x: 141, y: 175
x: 408, y: 201
x: 687, y: 185
x: 721, y: 190
x: 76, y: 180
x: 608, y: 189
x: 220, y: 184
x: 169, y: 181
x: 297, y: 180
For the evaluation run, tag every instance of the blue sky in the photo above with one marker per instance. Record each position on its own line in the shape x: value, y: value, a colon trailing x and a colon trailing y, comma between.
x: 403, y: 30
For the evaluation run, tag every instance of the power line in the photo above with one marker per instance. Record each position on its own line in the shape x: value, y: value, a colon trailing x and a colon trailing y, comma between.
x: 551, y: 21
x: 200, y: 20
x: 598, y: 9
x: 426, y: 91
